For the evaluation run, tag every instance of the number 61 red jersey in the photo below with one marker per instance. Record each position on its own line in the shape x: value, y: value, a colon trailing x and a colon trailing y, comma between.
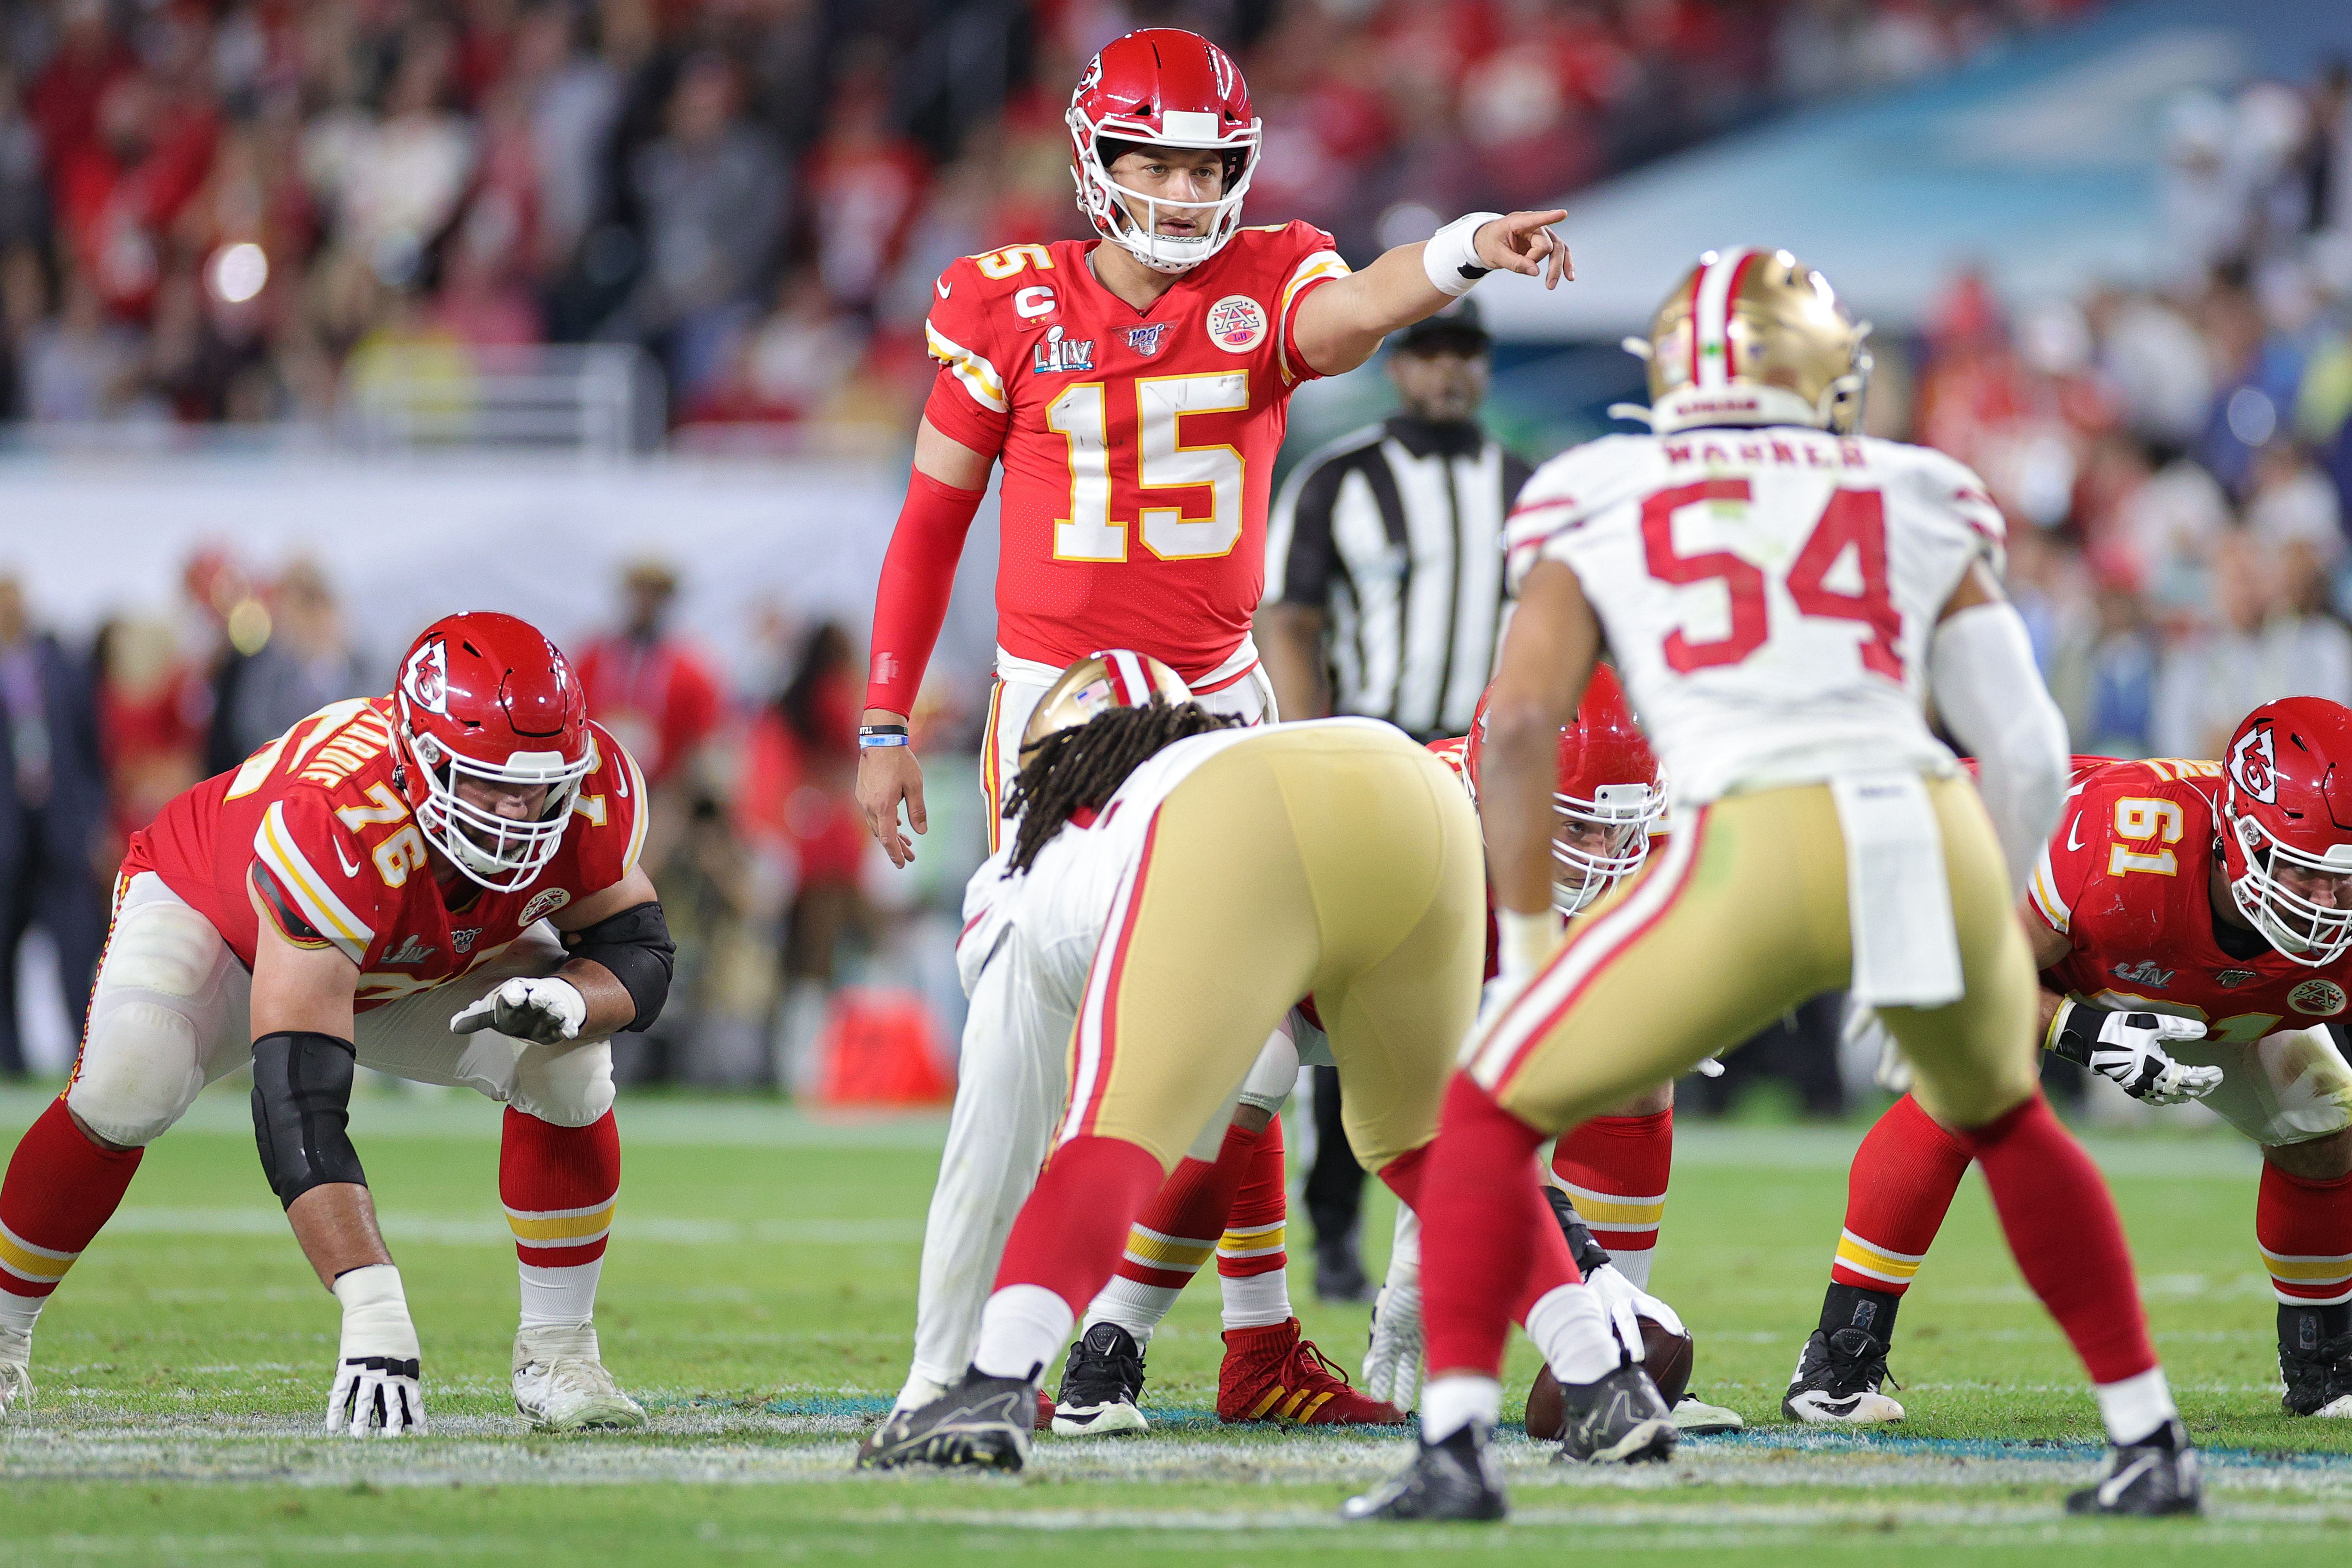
x: 1138, y: 447
x: 312, y: 835
x: 2128, y: 879
x: 1768, y: 592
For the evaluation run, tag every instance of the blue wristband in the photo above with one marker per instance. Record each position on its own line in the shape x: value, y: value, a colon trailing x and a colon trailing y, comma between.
x: 865, y: 743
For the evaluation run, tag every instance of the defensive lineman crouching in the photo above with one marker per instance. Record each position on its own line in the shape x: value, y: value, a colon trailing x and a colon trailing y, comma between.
x: 1243, y: 854
x: 378, y: 885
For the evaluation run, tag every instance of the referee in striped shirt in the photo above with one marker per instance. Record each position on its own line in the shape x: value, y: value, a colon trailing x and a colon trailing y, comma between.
x: 1385, y: 597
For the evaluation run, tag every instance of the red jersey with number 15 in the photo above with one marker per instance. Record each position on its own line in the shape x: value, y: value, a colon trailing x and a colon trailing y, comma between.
x: 2128, y: 879
x: 1138, y: 447
x: 311, y: 834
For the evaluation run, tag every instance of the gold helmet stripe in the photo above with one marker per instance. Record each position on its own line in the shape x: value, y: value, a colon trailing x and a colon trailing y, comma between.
x: 1711, y: 304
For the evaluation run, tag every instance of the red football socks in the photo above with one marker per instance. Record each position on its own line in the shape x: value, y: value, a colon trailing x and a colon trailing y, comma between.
x: 1072, y: 1230
x: 2062, y: 1225
x: 1490, y: 1248
x: 1252, y: 1255
x: 60, y: 1190
x: 1616, y: 1169
x: 560, y: 1185
x: 1897, y: 1193
x: 2305, y: 1229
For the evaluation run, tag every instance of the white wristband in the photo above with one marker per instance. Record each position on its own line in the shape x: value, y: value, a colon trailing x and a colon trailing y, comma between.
x: 375, y: 1313
x: 1450, y: 257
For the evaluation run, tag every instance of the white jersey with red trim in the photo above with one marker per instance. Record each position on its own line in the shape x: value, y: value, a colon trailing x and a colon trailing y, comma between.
x: 314, y: 834
x: 1768, y: 593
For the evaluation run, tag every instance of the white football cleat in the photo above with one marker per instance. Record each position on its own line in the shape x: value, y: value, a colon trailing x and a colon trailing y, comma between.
x: 16, y: 1369
x: 1838, y: 1379
x: 560, y: 1384
x: 1696, y: 1418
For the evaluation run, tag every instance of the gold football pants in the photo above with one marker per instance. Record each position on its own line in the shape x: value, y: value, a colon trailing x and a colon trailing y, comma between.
x: 1342, y: 862
x: 1743, y: 916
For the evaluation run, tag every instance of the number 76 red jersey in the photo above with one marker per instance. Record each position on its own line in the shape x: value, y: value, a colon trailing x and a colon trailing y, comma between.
x: 1138, y: 447
x: 1769, y: 592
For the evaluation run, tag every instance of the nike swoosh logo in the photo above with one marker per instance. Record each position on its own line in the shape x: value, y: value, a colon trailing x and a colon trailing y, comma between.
x: 943, y: 286
x: 2071, y: 829
x: 349, y: 869
x: 2114, y: 1486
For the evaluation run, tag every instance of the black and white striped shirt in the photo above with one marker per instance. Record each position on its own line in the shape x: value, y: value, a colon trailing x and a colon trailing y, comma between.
x: 1396, y: 531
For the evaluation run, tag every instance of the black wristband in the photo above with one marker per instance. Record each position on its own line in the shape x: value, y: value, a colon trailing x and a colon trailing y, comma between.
x: 865, y: 729
x: 2075, y: 1030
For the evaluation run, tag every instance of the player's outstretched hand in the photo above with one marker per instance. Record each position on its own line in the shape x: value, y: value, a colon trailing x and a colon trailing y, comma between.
x: 546, y: 1011
x: 1524, y: 243
x: 886, y: 775
x: 1626, y: 1304
x: 2130, y: 1051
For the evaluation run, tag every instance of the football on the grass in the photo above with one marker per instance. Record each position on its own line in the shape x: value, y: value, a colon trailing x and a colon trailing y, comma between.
x: 1668, y: 1357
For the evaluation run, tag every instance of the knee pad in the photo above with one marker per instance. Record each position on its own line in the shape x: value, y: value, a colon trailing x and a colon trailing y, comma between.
x: 140, y: 1069
x: 569, y: 1086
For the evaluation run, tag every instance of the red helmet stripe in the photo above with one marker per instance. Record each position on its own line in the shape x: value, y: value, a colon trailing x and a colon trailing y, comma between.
x: 1730, y: 297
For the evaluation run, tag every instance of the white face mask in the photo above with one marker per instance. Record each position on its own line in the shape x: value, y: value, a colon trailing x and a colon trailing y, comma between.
x: 500, y: 853
x: 1582, y: 872
x: 1114, y: 206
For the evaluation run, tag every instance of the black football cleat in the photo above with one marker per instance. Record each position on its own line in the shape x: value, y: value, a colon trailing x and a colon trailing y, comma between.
x: 2146, y: 1479
x: 2318, y: 1377
x: 1622, y: 1419
x: 1453, y: 1479
x: 1838, y: 1380
x: 982, y: 1423
x: 1100, y: 1384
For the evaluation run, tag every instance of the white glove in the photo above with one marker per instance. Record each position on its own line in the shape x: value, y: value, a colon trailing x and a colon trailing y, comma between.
x: 1626, y: 1304
x: 1865, y: 1030
x: 377, y: 1372
x: 546, y: 1012
x: 1392, y: 1362
x: 2128, y: 1049
x: 1709, y: 1067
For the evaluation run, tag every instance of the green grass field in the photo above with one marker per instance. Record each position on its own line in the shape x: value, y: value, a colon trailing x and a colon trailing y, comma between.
x: 758, y: 1297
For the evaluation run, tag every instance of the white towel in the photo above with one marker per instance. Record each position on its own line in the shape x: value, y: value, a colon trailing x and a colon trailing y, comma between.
x: 1906, y: 953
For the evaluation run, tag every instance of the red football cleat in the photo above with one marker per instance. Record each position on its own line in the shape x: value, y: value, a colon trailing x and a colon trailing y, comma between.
x: 1044, y: 1418
x: 1275, y: 1374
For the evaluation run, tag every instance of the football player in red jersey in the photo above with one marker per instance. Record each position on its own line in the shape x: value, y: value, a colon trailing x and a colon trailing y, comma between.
x: 1135, y: 387
x: 376, y: 885
x: 2193, y: 925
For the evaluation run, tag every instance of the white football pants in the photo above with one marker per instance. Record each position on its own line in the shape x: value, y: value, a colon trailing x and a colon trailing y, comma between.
x: 172, y: 1013
x: 1012, y: 1078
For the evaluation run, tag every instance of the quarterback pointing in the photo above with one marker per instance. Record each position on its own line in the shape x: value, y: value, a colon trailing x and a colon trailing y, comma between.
x: 377, y: 886
x: 1135, y: 388
x: 1781, y: 596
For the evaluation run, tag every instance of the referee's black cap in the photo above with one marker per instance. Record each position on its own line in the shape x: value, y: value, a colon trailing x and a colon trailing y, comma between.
x: 1457, y: 328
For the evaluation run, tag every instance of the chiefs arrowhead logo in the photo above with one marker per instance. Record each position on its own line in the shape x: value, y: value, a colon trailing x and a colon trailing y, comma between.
x: 2253, y: 764
x: 426, y: 678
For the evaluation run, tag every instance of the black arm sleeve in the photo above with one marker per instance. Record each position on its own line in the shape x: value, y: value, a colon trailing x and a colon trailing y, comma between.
x: 636, y: 946
x: 301, y: 1112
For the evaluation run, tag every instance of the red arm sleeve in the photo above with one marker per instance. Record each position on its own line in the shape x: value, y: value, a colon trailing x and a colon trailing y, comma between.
x: 917, y: 575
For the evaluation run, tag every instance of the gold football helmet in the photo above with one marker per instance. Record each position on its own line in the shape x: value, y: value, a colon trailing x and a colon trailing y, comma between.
x: 1115, y: 678
x: 1755, y: 337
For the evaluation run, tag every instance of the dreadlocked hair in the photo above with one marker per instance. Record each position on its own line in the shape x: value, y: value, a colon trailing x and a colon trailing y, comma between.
x: 1079, y: 769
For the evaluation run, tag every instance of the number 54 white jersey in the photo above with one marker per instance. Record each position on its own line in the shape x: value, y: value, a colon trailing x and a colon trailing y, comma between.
x: 1768, y: 593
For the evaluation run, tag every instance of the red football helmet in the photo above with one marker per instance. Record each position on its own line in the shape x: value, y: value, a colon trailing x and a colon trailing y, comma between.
x: 486, y: 699
x: 1165, y: 87
x: 2287, y: 827
x: 1606, y: 794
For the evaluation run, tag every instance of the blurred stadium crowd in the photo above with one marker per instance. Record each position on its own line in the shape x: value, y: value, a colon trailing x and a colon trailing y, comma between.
x: 239, y: 210
x: 218, y: 214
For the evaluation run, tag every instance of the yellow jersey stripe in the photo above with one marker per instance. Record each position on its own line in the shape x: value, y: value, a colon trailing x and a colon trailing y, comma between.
x: 979, y: 376
x: 1322, y: 264
x: 2043, y: 889
x: 275, y: 846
